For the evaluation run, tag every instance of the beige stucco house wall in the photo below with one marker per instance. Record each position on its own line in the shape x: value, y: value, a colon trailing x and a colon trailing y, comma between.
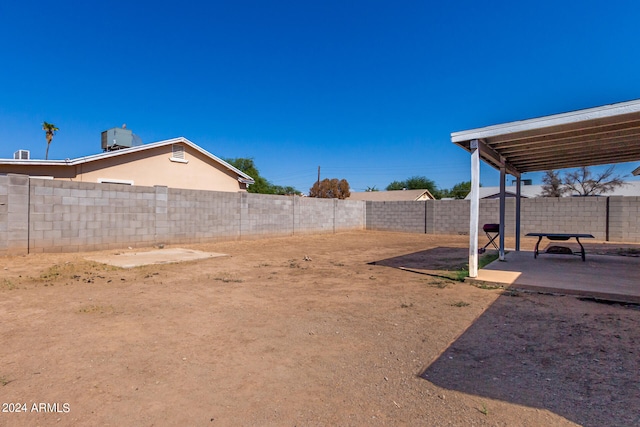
x: 176, y: 163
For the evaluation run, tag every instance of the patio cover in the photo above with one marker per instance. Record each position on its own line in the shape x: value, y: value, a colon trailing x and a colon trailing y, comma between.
x: 595, y: 136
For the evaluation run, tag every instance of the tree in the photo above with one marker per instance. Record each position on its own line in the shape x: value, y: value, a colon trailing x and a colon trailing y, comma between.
x: 397, y: 185
x: 50, y: 130
x: 458, y: 191
x: 552, y: 184
x: 261, y: 185
x: 284, y: 191
x: 415, y: 183
x: 330, y: 189
x: 582, y: 183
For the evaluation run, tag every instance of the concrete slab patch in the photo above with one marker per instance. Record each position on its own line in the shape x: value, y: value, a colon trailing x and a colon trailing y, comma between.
x: 606, y: 277
x: 161, y: 256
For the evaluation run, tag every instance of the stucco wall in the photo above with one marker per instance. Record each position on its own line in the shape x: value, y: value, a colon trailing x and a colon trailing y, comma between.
x: 153, y: 167
x: 143, y: 168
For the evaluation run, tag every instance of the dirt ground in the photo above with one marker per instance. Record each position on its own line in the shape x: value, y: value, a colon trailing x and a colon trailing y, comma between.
x: 305, y: 331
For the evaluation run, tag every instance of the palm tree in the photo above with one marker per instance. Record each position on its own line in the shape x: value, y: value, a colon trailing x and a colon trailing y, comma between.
x: 50, y: 129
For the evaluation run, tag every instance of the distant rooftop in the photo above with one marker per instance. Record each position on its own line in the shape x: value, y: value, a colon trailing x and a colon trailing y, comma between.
x: 392, y: 196
x: 630, y: 188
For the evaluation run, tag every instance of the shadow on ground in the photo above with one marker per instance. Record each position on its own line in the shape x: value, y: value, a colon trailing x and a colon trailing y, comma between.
x: 576, y: 358
x: 439, y: 258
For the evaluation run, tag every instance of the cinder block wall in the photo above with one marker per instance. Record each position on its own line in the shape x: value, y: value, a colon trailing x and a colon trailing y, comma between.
x: 565, y: 215
x: 624, y: 214
x: 410, y: 217
x: 348, y: 213
x: 316, y: 216
x: 4, y: 213
x: 490, y: 214
x: 17, y: 213
x: 39, y: 215
x: 265, y: 215
x: 194, y: 216
x: 72, y: 216
x: 431, y: 216
x: 451, y: 216
x: 552, y: 215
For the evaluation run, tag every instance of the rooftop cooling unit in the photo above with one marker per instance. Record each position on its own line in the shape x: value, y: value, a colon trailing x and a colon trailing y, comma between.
x: 21, y: 155
x: 116, y: 138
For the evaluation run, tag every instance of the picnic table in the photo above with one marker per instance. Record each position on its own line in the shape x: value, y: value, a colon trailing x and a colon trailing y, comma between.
x: 561, y: 237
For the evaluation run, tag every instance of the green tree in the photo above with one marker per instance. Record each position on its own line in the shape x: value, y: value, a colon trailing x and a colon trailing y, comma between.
x: 415, y: 183
x: 285, y: 191
x: 330, y: 189
x: 458, y: 191
x: 50, y: 130
x: 261, y: 185
x: 397, y: 185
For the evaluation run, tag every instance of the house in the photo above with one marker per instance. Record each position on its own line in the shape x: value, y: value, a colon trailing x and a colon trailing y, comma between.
x: 630, y: 188
x: 392, y: 196
x: 526, y: 191
x: 176, y: 163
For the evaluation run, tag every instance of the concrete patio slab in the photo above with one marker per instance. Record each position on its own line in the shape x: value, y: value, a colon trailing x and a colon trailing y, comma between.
x: 162, y: 256
x: 607, y: 277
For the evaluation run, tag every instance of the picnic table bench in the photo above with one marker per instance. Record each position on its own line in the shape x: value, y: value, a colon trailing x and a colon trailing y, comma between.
x: 561, y: 237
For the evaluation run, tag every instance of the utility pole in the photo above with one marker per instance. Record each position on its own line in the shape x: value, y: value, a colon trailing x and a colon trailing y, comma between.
x: 318, y: 176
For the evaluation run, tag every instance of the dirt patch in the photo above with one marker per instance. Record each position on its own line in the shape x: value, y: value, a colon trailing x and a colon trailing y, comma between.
x: 439, y: 258
x: 305, y: 331
x: 609, y: 248
x: 160, y: 256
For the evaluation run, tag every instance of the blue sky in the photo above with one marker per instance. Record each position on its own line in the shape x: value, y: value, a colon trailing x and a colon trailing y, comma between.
x: 370, y: 91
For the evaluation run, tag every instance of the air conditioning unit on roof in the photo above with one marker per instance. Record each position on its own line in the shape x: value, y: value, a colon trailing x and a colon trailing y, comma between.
x: 21, y: 155
x: 116, y: 138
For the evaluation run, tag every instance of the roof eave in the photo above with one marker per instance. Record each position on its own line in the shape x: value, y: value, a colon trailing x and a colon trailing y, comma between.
x: 124, y: 151
x: 601, y: 112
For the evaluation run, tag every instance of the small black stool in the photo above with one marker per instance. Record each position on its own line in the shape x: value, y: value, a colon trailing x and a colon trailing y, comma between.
x: 492, y: 231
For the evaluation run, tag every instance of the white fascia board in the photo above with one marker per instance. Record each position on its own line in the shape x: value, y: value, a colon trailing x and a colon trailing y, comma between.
x: 605, y: 111
x: 34, y: 162
x: 125, y: 151
x: 93, y: 157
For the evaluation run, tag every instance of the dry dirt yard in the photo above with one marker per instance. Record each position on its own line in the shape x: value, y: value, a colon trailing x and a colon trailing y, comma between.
x: 305, y: 331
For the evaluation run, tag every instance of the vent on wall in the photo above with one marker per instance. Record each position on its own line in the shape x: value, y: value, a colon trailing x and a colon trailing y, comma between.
x: 21, y: 155
x: 178, y: 154
x: 178, y: 151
